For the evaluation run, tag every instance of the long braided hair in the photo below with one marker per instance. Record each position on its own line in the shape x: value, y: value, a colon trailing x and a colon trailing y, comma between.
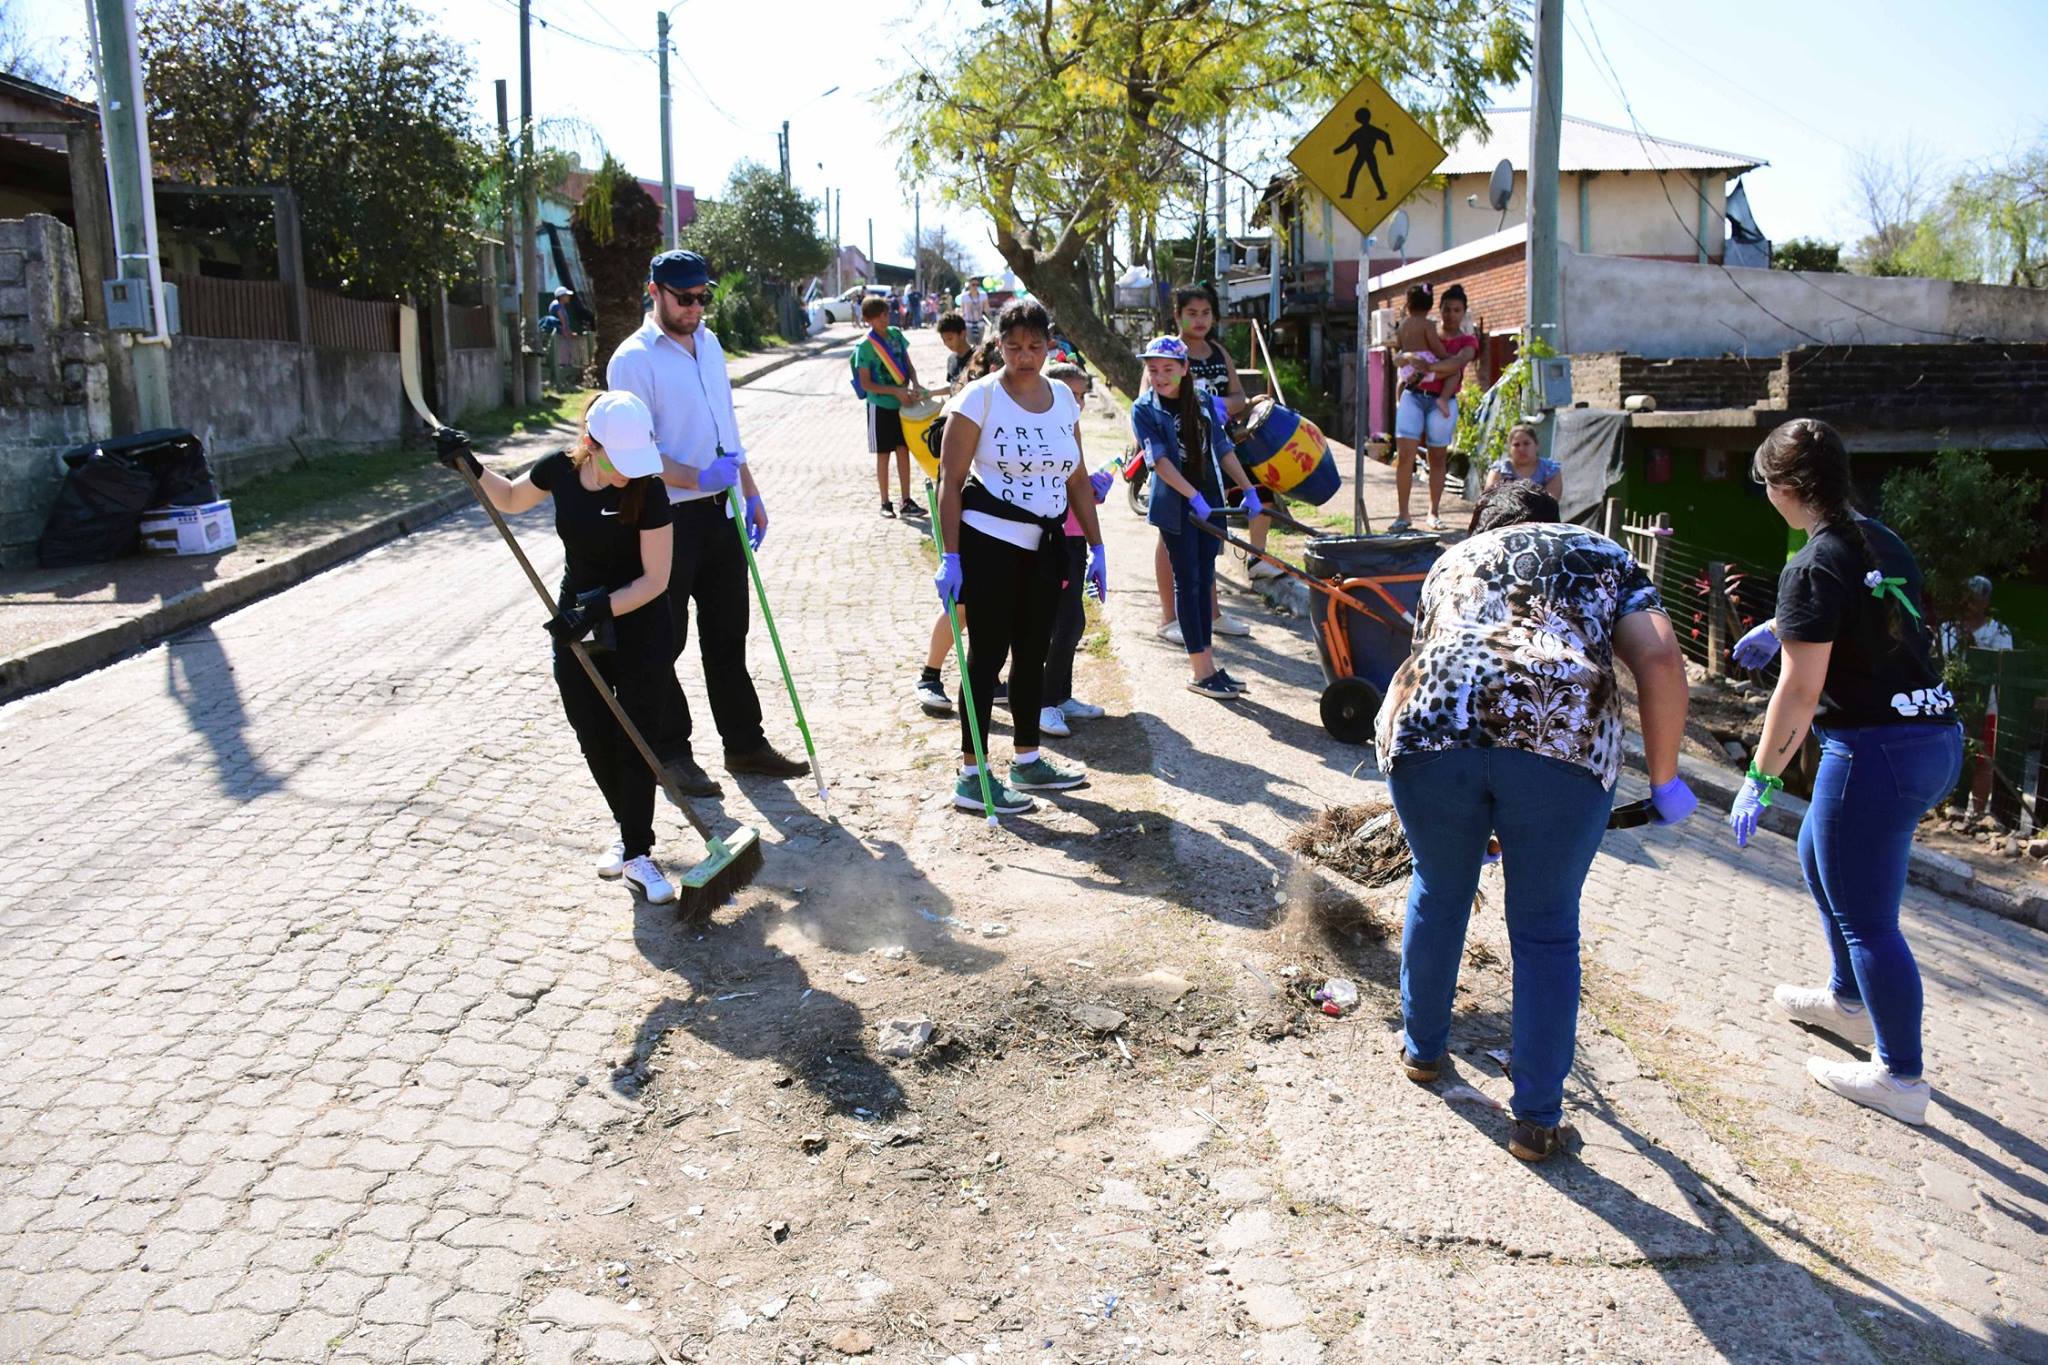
x: 1806, y: 458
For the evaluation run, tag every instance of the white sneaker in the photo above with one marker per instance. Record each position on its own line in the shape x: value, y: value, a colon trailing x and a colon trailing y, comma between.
x: 643, y: 876
x: 1170, y: 632
x: 1870, y: 1085
x: 1822, y: 1008
x: 612, y: 861
x: 1266, y: 568
x: 1080, y: 710
x: 1053, y: 721
x: 1226, y: 624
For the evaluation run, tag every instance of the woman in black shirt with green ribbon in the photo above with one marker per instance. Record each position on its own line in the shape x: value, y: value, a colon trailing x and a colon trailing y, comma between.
x: 1859, y: 669
x: 613, y: 517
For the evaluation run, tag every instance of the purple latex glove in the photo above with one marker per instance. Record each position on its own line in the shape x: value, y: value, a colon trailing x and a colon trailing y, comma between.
x: 1252, y: 506
x: 1199, y: 505
x: 1098, y: 572
x: 757, y: 521
x: 1747, y: 810
x: 721, y: 474
x: 1100, y: 481
x: 947, y: 579
x: 1674, y: 801
x: 1758, y: 647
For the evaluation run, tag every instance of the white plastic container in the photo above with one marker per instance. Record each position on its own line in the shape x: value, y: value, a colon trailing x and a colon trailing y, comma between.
x: 203, y: 530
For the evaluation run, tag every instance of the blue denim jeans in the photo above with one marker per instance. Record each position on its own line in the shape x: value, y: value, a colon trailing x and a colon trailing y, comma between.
x: 1550, y: 815
x: 1874, y: 784
x: 1192, y: 552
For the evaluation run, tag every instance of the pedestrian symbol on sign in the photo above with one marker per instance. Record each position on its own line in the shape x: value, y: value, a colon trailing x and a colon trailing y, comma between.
x: 1361, y: 144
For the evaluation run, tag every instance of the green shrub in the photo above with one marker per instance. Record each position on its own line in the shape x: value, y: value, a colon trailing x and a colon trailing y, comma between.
x: 733, y: 315
x: 1962, y: 517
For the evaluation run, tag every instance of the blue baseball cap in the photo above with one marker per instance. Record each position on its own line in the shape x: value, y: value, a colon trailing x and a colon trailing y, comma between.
x: 679, y: 270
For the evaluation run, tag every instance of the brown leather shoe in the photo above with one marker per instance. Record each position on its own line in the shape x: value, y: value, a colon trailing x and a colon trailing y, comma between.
x: 689, y: 778
x: 765, y: 761
x: 1533, y: 1142
x: 1419, y: 1071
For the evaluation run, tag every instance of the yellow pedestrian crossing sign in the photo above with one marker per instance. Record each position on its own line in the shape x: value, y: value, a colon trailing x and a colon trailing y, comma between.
x: 1367, y: 155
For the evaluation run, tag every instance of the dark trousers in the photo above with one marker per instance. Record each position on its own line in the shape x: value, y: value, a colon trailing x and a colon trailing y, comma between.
x: 641, y: 672
x: 710, y: 569
x: 1193, y: 554
x: 1010, y: 608
x: 1068, y: 624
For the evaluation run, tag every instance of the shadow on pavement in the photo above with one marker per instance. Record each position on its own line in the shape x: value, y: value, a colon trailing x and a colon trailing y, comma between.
x: 198, y: 676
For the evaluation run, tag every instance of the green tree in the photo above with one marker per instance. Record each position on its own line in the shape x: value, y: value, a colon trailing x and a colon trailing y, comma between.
x: 1962, y: 516
x: 942, y: 257
x: 1807, y: 253
x: 1053, y: 120
x: 761, y: 226
x: 358, y: 105
x: 618, y: 230
x: 2005, y: 208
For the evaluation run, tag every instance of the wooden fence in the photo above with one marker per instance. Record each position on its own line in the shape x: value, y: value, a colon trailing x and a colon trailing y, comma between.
x: 469, y: 328
x: 243, y: 310
x: 352, y: 324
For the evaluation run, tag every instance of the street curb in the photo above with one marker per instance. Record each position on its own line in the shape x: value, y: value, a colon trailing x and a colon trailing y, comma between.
x: 1714, y: 784
x: 58, y: 661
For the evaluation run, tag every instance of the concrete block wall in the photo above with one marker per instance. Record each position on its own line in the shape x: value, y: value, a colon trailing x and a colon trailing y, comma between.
x: 256, y: 405
x: 1984, y: 382
x: 53, y: 376
x: 473, y: 381
x: 1682, y: 384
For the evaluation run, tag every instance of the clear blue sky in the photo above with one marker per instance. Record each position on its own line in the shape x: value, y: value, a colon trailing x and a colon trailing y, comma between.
x: 1801, y: 85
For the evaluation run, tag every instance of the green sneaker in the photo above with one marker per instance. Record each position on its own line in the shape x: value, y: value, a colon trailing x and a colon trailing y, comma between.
x: 1040, y: 774
x: 1005, y: 798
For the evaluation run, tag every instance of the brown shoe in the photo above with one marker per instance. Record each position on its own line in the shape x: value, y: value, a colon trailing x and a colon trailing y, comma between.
x: 765, y: 761
x: 1533, y: 1142
x: 688, y: 777
x: 1419, y: 1071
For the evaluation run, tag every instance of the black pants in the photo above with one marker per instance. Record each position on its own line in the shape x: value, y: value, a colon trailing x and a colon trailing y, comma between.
x: 641, y: 672
x: 1068, y: 624
x: 710, y: 568
x: 1010, y: 609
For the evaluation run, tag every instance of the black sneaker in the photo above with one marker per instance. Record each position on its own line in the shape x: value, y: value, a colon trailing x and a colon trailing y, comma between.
x: 1233, y: 684
x: 689, y: 778
x: 911, y: 509
x: 888, y: 508
x: 931, y: 695
x: 1212, y: 686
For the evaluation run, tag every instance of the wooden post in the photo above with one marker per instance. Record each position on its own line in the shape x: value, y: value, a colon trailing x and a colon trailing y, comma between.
x: 1661, y: 526
x: 1610, y: 520
x: 1717, y: 640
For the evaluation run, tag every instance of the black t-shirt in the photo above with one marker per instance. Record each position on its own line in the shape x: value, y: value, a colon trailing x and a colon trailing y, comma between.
x: 601, y: 548
x: 1876, y: 675
x: 956, y: 363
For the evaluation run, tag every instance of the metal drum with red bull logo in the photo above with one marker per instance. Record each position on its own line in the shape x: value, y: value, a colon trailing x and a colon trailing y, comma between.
x: 1286, y: 453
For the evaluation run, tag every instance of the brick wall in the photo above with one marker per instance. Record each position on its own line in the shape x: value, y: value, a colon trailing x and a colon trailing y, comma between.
x: 1687, y: 384
x: 1496, y: 287
x: 1987, y: 383
x: 53, y: 375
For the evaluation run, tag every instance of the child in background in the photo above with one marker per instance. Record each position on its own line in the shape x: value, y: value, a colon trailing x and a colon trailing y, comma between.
x: 888, y: 382
x: 1418, y: 339
x: 1524, y: 462
x: 1072, y: 621
x: 953, y: 334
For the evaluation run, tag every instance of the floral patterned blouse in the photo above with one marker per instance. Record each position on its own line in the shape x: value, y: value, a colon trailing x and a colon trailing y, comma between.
x: 1514, y: 648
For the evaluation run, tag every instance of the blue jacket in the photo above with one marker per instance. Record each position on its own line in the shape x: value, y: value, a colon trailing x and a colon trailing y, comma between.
x: 1157, y: 430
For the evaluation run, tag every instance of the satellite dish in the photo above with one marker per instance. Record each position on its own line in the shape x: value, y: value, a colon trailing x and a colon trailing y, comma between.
x: 1501, y: 187
x: 1397, y: 235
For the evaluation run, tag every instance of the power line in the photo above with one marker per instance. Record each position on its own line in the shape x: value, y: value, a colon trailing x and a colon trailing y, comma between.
x: 573, y: 36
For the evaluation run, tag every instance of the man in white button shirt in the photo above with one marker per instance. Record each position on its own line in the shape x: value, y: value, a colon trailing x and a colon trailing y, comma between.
x: 676, y: 366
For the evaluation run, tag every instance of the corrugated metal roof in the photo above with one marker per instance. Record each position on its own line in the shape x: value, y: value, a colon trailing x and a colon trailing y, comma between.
x: 1584, y: 145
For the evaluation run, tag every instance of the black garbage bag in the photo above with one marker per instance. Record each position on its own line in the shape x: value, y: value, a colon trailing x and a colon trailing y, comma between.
x: 183, y: 477
x: 97, y: 509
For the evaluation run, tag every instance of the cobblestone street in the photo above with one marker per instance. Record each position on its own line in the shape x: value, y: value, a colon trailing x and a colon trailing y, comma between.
x: 312, y: 1017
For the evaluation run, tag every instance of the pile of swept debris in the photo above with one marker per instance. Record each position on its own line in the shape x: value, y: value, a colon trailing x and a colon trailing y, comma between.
x: 1364, y: 842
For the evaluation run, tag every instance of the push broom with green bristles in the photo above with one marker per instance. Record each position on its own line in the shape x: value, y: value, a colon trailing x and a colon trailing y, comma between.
x: 729, y: 863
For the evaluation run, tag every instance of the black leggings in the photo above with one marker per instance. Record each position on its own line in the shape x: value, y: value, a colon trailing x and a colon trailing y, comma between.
x: 1068, y: 625
x: 640, y: 674
x: 1010, y: 609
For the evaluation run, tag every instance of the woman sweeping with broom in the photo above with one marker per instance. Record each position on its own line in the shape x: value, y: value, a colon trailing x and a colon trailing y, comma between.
x: 612, y: 515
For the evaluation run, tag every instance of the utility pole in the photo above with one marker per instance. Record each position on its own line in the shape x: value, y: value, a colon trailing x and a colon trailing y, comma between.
x: 1546, y: 102
x: 1222, y: 212
x: 872, y: 271
x: 838, y: 242
x: 785, y: 153
x: 124, y: 132
x: 668, y: 169
x: 917, y: 242
x: 529, y: 213
x: 516, y: 381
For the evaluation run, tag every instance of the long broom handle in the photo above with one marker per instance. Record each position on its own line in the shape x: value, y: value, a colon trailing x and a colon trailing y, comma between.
x: 788, y: 680
x: 1318, y: 584
x: 597, y: 681
x: 988, y: 800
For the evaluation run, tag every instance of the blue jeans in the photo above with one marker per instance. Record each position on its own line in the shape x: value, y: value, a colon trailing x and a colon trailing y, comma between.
x: 1874, y: 784
x: 1550, y: 815
x: 1193, y: 554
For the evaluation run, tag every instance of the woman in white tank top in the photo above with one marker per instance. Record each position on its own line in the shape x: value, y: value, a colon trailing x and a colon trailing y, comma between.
x: 1011, y: 468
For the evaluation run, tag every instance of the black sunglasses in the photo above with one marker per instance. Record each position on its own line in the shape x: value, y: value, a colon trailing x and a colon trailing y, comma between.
x: 689, y: 298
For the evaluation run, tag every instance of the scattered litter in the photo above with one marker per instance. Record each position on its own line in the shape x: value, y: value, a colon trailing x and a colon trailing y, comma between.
x: 1216, y: 1268
x: 808, y: 990
x: 950, y: 921
x: 1121, y: 1048
x: 1109, y: 1307
x: 772, y: 1309
x: 696, y: 1172
x: 994, y: 930
x: 1083, y: 963
x: 812, y: 1142
x: 1465, y: 1094
x: 1364, y: 842
x: 1267, y: 981
x: 778, y: 1231
x: 1339, y: 992
x: 724, y: 1132
x: 737, y: 995
x: 1500, y: 1056
x: 904, y: 1037
x: 619, y: 1205
x: 894, y: 953
x: 857, y: 978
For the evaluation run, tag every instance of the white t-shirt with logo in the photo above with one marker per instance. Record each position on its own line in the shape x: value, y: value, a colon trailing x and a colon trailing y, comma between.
x: 1023, y: 457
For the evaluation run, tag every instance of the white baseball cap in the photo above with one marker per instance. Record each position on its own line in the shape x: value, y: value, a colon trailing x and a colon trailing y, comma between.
x: 621, y: 423
x: 564, y: 292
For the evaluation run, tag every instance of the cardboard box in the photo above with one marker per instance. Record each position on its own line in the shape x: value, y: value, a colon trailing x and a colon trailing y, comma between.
x: 203, y: 530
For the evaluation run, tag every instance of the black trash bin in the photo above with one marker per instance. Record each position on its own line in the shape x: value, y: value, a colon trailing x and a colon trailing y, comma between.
x: 1361, y: 650
x: 109, y: 486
